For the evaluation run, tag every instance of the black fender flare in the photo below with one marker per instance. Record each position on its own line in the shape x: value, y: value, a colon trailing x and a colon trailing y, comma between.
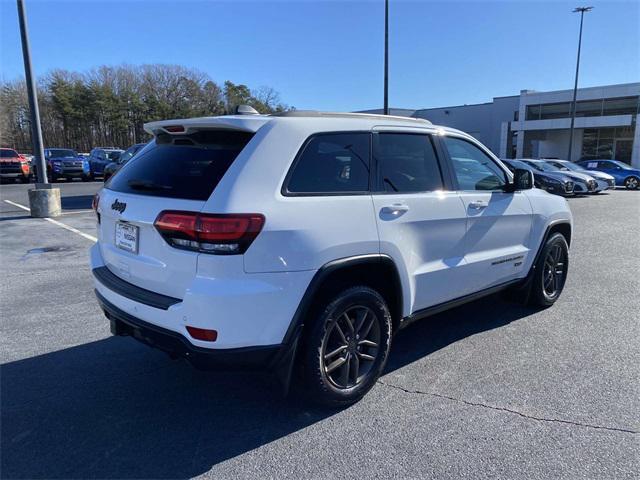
x: 297, y: 322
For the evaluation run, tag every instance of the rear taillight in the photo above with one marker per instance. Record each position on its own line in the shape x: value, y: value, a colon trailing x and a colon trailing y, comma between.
x: 220, y: 234
x: 25, y: 167
x: 94, y: 205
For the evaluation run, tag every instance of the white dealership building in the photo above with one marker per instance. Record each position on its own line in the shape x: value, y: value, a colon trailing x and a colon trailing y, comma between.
x: 536, y: 124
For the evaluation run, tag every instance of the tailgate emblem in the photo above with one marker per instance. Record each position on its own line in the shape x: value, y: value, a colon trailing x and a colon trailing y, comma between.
x: 118, y: 206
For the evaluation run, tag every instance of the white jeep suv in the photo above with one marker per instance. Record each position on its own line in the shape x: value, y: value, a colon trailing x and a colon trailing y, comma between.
x: 306, y: 239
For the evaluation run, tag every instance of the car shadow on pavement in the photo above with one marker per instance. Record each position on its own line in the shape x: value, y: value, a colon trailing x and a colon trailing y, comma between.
x: 77, y: 202
x: 116, y: 409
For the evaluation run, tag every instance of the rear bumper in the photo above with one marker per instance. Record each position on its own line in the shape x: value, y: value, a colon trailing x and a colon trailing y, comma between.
x: 259, y: 358
x: 248, y: 311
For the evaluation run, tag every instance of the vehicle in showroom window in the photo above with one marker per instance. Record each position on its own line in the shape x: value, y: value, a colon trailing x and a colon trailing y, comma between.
x: 605, y: 181
x: 552, y: 182
x: 303, y: 241
x: 625, y: 175
x: 582, y: 183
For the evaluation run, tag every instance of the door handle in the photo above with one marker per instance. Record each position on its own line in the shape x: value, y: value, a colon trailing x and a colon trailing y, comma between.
x: 478, y: 204
x: 395, y: 209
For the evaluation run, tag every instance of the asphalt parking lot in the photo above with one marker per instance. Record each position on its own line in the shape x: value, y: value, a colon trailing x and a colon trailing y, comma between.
x: 488, y: 390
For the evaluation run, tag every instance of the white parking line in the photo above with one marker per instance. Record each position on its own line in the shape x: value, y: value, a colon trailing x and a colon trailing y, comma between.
x: 55, y: 222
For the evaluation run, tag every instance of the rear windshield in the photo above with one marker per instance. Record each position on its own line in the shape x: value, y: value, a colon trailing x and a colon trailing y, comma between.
x: 181, y: 166
x: 8, y: 154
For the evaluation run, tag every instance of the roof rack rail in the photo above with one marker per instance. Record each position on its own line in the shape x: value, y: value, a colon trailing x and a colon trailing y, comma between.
x: 316, y: 113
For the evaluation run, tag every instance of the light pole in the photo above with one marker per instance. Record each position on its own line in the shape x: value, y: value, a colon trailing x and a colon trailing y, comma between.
x: 44, y: 201
x: 386, y: 57
x: 575, y: 86
x: 36, y: 133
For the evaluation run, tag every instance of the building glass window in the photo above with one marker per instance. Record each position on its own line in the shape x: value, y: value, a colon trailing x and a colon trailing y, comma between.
x: 585, y: 108
x: 621, y: 106
x: 533, y: 112
x: 591, y: 108
x: 609, y: 143
x: 555, y: 110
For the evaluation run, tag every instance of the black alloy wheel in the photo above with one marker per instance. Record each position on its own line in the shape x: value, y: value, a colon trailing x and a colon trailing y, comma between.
x: 550, y: 274
x: 351, y: 346
x: 554, y: 273
x: 346, y: 347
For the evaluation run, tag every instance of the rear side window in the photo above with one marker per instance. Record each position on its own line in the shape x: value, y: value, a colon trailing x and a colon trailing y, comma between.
x: 407, y: 163
x: 181, y: 166
x: 332, y: 163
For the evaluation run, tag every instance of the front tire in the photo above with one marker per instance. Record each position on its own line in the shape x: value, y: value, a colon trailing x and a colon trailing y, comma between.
x: 551, y: 271
x: 632, y: 183
x: 347, y: 346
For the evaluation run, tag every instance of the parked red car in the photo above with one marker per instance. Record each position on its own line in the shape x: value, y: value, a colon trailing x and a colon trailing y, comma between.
x: 14, y: 166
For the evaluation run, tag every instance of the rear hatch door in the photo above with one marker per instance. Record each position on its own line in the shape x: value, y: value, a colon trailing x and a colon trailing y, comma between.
x: 176, y: 171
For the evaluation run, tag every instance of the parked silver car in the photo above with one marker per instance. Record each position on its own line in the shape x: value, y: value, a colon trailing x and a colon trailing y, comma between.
x: 605, y: 181
x: 582, y: 183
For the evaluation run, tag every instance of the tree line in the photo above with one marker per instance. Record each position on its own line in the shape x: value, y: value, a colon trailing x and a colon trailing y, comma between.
x: 108, y: 106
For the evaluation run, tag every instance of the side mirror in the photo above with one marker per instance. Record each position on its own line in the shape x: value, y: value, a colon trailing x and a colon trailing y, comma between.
x: 522, y: 180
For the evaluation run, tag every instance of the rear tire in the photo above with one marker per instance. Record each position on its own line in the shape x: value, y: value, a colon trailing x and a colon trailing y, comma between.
x: 346, y: 347
x: 631, y: 183
x: 551, y: 271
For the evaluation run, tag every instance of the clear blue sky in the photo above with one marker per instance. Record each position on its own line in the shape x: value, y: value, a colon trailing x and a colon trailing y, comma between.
x: 328, y: 54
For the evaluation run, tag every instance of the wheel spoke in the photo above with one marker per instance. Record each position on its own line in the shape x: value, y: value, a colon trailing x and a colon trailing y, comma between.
x: 349, y: 323
x: 558, y: 254
x: 338, y: 350
x: 341, y: 333
x: 367, y: 343
x: 335, y: 364
x: 367, y: 328
x: 355, y: 368
x: 361, y: 316
x: 344, y: 373
x: 365, y: 356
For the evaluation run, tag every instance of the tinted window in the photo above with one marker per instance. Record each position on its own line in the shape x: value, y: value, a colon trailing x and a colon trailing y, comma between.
x: 331, y: 163
x: 473, y: 168
x: 407, y: 163
x: 8, y: 154
x: 129, y: 152
x: 181, y: 166
x: 59, y: 153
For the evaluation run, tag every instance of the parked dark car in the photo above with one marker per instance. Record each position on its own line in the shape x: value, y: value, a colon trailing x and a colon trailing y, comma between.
x: 552, y: 182
x: 624, y: 174
x: 582, y: 183
x: 128, y: 154
x: 100, y: 157
x: 14, y: 166
x: 64, y: 163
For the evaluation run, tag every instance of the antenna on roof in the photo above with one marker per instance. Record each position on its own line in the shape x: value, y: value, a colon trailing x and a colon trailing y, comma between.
x: 246, y: 110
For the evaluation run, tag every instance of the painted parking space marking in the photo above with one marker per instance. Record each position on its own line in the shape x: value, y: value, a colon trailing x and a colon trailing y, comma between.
x: 55, y: 222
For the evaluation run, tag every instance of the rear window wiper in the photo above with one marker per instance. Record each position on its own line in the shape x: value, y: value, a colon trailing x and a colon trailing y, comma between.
x: 147, y: 185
